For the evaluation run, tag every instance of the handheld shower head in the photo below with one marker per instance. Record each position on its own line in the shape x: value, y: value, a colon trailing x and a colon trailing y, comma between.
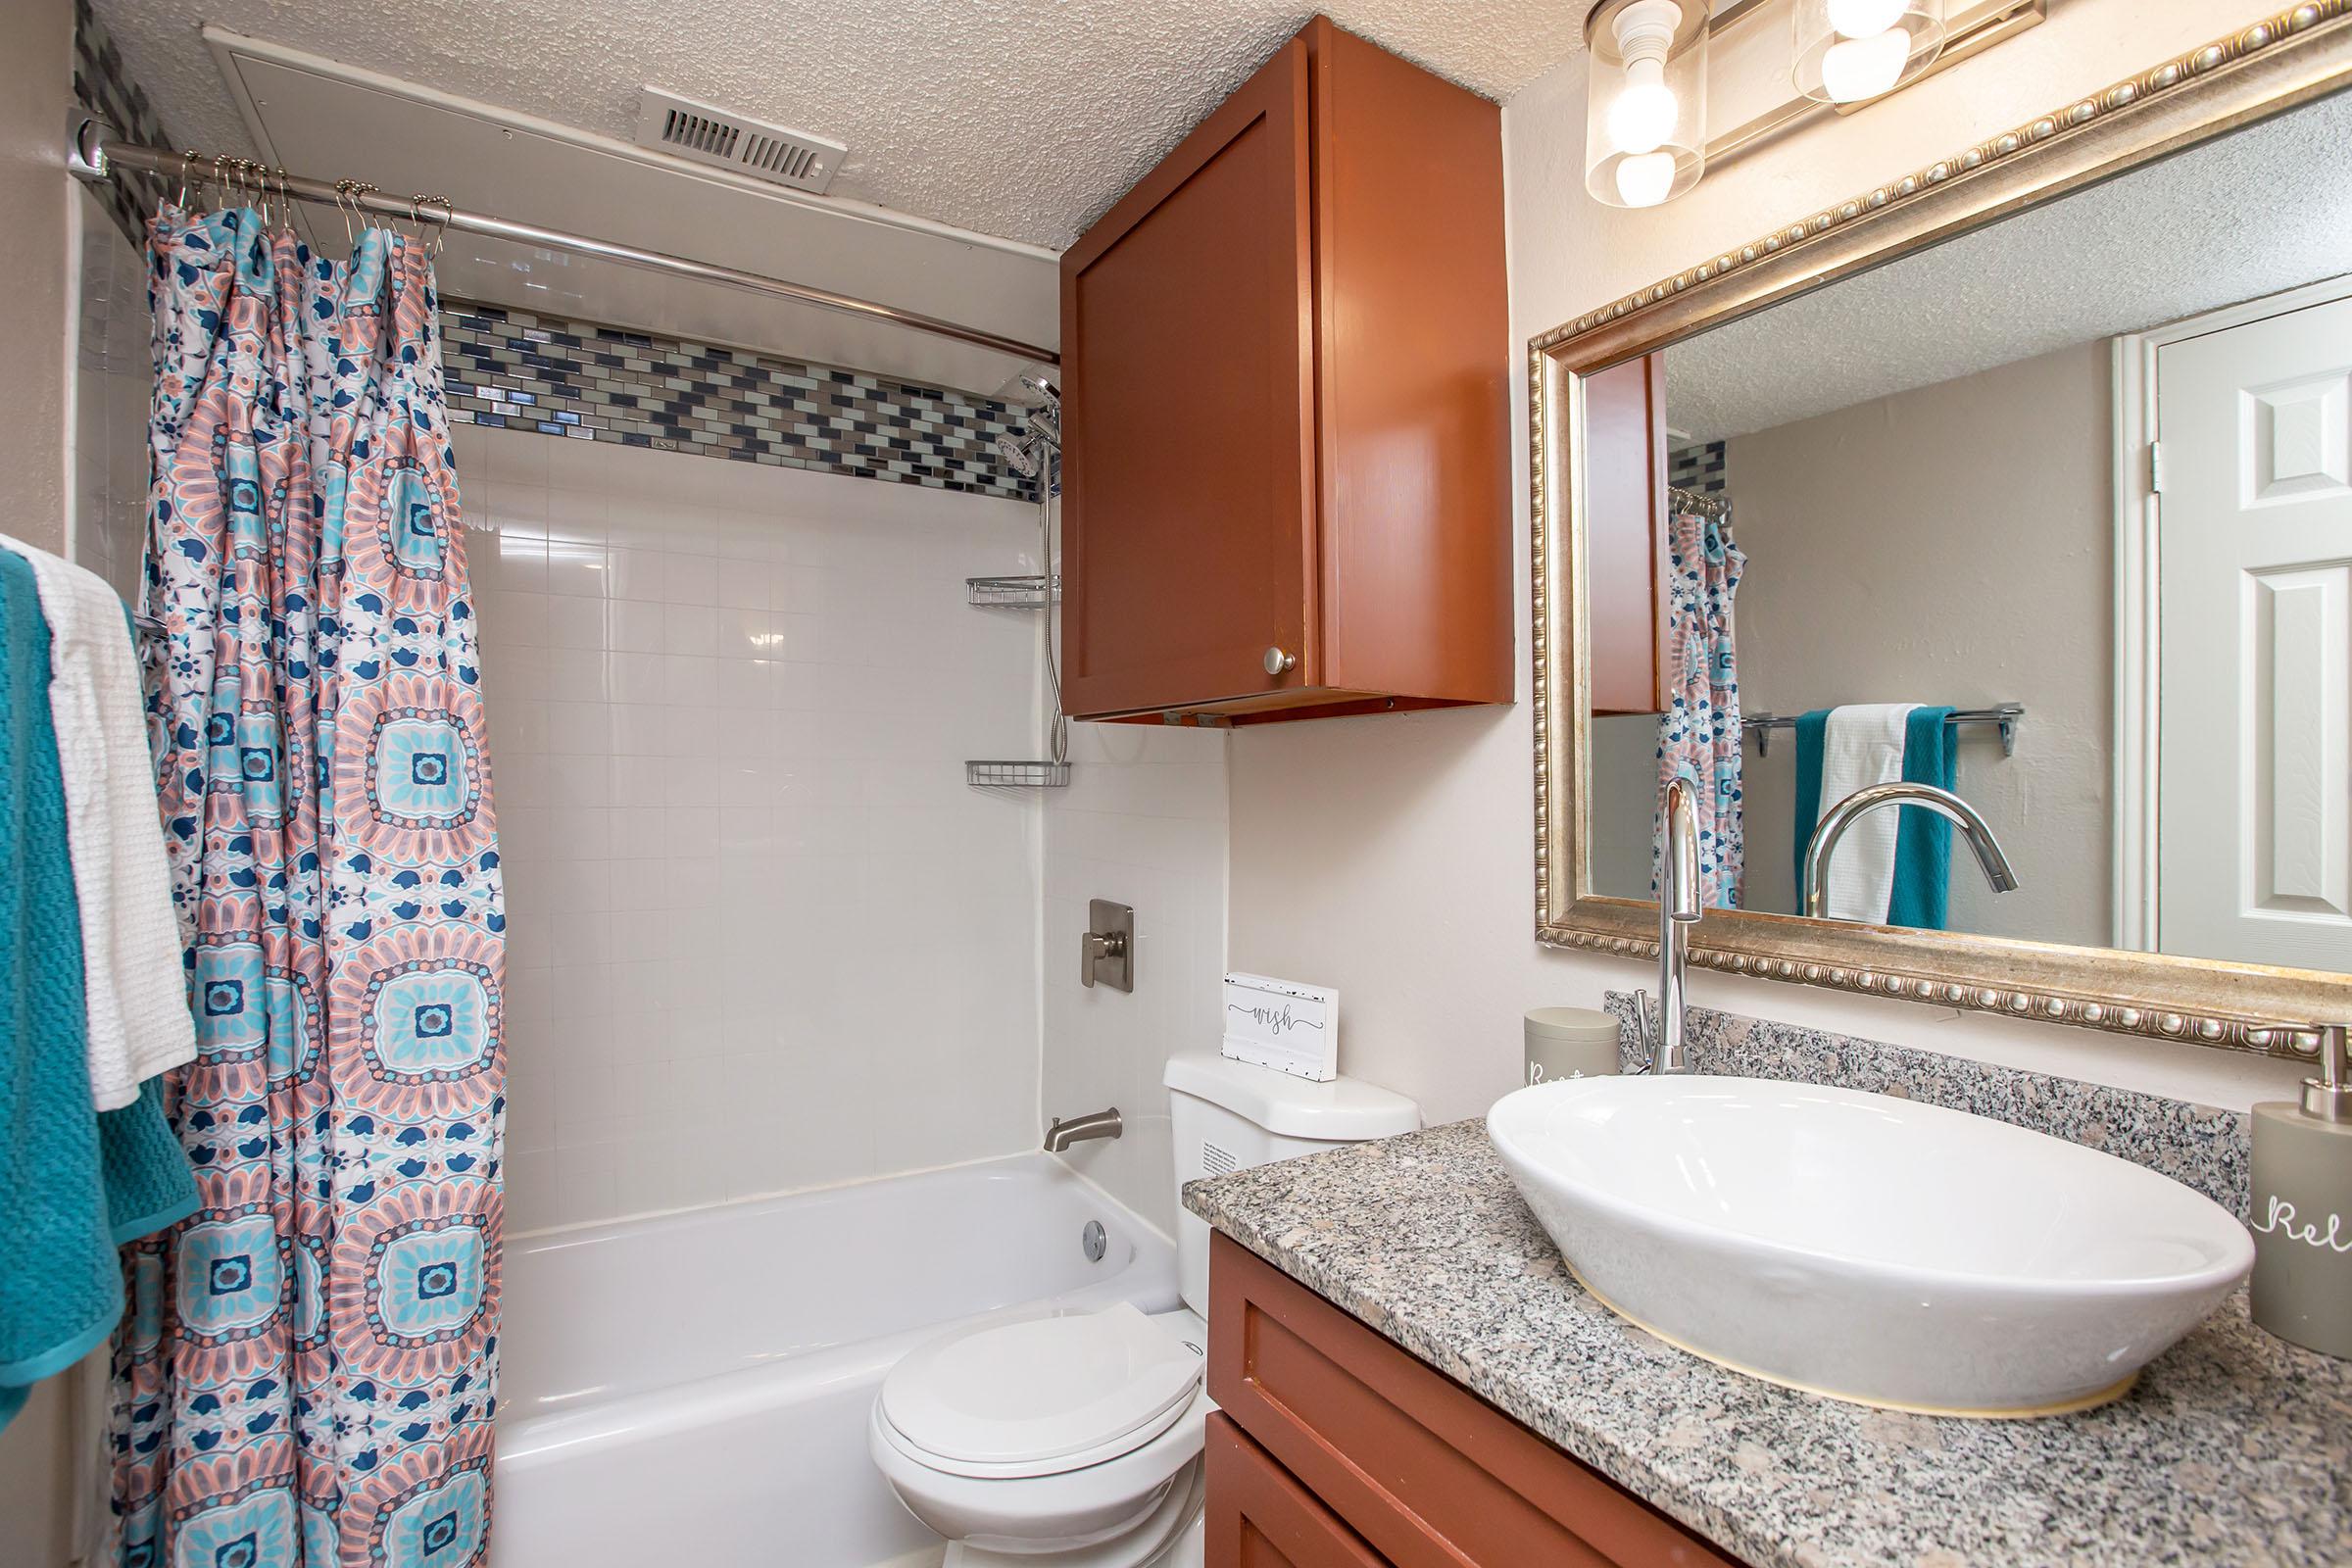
x: 1020, y: 454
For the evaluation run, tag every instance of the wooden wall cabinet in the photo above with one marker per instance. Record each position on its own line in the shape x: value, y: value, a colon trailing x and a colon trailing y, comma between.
x: 1286, y: 483
x: 1336, y: 1449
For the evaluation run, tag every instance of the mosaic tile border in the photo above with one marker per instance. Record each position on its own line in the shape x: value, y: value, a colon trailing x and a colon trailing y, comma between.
x: 2201, y: 1146
x: 1696, y: 468
x: 515, y: 370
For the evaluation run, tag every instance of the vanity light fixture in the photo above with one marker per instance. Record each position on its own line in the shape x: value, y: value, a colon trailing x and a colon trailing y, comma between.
x: 1850, y: 51
x: 1646, y: 125
x: 1646, y: 137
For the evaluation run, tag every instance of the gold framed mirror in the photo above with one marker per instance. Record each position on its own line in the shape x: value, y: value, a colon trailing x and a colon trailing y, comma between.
x: 2261, y: 77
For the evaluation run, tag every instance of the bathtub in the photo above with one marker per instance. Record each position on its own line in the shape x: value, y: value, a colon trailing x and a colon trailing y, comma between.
x: 694, y: 1387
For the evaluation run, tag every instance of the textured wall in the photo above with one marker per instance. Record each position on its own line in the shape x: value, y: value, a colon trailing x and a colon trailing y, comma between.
x: 34, y: 248
x: 36, y: 1514
x: 1392, y: 857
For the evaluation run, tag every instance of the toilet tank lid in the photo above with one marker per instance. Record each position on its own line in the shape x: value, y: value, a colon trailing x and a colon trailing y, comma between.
x: 1344, y: 1111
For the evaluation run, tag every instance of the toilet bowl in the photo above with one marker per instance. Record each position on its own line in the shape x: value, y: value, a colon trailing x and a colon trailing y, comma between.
x: 1050, y: 1437
x: 1058, y: 1438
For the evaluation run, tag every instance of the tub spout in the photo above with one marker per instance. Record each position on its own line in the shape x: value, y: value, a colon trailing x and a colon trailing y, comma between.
x: 1061, y: 1135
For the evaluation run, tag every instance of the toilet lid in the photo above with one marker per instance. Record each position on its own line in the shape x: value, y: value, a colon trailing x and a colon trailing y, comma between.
x: 1042, y: 1384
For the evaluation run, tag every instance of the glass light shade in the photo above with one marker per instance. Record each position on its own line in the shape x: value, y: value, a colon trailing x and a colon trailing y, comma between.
x: 1646, y: 118
x: 1851, y: 51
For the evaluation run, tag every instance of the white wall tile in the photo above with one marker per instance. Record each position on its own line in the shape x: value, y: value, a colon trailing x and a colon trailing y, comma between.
x: 711, y: 809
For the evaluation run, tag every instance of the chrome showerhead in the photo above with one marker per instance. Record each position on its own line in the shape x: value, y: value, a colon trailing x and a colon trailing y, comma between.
x: 1045, y: 390
x: 1020, y: 454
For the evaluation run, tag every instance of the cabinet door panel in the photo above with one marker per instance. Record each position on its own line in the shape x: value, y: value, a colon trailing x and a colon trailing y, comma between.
x: 1258, y: 1517
x: 1189, y: 539
x: 1625, y: 536
x: 1428, y: 1474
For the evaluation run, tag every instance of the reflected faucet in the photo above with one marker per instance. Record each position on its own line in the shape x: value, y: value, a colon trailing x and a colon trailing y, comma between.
x: 1061, y: 1135
x: 1679, y: 900
x: 1838, y: 818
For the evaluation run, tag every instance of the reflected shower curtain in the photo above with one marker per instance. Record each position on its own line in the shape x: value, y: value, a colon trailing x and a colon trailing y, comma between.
x: 1698, y: 735
x: 307, y: 1373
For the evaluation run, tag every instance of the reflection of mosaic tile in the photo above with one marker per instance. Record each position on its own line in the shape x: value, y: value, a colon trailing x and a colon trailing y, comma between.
x: 2201, y: 1146
x: 569, y: 379
x: 1699, y: 469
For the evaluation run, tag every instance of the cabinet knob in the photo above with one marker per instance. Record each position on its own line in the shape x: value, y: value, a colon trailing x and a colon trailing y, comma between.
x: 1279, y: 662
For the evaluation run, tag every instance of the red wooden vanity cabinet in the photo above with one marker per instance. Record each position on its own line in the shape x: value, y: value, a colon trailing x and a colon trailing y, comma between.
x: 1333, y: 1449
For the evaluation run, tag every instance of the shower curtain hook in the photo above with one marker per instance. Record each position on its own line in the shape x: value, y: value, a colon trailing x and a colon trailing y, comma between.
x: 191, y: 156
x: 216, y: 189
x: 448, y: 215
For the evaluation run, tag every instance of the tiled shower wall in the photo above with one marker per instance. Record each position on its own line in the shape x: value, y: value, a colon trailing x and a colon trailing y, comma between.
x: 762, y: 936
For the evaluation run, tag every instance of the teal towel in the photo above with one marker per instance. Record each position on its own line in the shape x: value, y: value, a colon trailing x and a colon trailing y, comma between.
x: 73, y: 1184
x: 1922, y: 841
x: 1812, y: 730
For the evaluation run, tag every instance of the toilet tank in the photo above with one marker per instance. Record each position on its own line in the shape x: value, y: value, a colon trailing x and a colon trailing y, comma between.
x: 1227, y: 1114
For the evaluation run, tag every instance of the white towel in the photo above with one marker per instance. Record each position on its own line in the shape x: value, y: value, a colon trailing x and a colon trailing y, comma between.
x: 135, y: 987
x: 1863, y: 746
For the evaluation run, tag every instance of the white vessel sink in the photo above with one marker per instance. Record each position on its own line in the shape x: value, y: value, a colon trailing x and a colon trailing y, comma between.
x: 1864, y: 1246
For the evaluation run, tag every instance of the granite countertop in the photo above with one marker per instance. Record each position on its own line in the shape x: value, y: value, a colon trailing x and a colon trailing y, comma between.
x: 2233, y: 1448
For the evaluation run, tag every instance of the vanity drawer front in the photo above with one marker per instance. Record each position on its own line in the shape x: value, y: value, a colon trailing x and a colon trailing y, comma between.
x: 1427, y: 1473
x: 1258, y: 1517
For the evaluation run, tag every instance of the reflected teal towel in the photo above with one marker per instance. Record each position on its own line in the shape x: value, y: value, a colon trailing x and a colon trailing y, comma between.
x: 1812, y: 730
x: 73, y: 1184
x: 1922, y: 841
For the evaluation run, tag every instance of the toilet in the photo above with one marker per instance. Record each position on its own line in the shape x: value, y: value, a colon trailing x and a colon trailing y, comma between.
x: 1063, y: 1438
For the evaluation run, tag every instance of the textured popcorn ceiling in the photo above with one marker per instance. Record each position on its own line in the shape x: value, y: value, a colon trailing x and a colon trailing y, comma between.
x: 2251, y: 213
x: 1023, y: 118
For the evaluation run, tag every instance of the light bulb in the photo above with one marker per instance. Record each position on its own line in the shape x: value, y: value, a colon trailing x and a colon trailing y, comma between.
x: 1644, y: 115
x: 1865, y: 19
x: 1644, y: 180
x: 1855, y: 69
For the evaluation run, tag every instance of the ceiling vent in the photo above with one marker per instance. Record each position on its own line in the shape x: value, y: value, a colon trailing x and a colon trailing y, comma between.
x: 708, y: 135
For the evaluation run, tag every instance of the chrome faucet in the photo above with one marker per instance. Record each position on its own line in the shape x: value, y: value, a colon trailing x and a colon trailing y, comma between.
x: 1679, y: 900
x: 1838, y: 818
x: 1061, y: 1135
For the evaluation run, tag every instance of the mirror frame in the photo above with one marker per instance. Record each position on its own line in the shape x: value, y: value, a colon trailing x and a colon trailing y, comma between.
x: 2273, y: 65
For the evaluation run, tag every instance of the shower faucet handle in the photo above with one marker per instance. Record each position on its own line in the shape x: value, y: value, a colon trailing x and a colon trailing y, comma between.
x: 1106, y: 953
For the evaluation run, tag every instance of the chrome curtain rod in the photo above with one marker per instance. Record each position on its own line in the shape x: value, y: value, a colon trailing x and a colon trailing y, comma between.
x: 96, y: 153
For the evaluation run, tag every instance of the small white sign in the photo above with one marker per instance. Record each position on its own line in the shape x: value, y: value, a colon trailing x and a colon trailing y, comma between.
x: 1284, y: 1025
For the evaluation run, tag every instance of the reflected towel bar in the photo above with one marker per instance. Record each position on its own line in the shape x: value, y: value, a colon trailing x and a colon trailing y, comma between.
x: 2007, y: 716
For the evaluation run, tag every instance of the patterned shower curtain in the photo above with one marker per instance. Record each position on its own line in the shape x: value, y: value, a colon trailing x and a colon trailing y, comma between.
x: 308, y: 1372
x: 1698, y: 735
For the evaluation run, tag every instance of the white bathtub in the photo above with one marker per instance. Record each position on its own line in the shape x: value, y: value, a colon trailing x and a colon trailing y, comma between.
x: 694, y: 1387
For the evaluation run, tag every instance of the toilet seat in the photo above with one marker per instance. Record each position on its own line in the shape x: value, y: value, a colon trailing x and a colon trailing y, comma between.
x: 1038, y: 1391
x: 1046, y: 1516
